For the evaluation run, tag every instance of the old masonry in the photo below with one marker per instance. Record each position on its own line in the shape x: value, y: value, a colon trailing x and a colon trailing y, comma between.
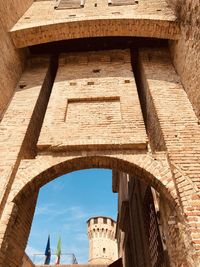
x: 104, y: 84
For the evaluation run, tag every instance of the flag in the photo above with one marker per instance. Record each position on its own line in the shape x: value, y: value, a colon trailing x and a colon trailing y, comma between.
x: 58, y: 252
x: 47, y: 252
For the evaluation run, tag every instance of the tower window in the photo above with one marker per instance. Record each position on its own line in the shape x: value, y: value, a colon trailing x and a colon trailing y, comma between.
x: 95, y: 220
x: 105, y: 220
x: 104, y: 250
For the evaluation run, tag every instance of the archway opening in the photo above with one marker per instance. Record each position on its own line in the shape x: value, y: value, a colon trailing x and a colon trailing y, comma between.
x: 63, y: 207
x: 132, y: 181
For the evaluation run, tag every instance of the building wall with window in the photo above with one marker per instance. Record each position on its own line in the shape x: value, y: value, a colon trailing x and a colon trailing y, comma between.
x: 147, y: 233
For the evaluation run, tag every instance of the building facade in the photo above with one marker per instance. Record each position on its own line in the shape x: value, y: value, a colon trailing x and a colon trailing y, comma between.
x: 104, y: 84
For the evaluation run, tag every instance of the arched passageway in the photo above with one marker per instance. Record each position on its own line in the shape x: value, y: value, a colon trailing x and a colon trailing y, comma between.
x: 63, y: 208
x: 33, y: 174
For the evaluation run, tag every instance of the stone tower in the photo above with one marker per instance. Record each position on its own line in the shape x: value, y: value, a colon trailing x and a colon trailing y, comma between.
x: 102, y: 241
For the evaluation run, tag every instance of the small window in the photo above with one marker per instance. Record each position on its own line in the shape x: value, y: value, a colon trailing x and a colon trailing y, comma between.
x: 95, y: 220
x: 90, y: 83
x: 112, y: 223
x: 72, y: 83
x: 116, y: 13
x: 104, y: 250
x: 96, y: 70
x: 105, y: 220
x: 22, y: 85
x: 127, y: 81
x: 121, y: 2
x: 69, y: 4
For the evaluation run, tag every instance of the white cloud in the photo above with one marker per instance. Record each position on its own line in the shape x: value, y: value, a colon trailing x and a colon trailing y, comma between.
x: 81, y: 237
x: 44, y: 209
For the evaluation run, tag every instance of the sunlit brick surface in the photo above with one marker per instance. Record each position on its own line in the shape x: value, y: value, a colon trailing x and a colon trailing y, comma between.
x: 42, y: 23
x: 94, y: 103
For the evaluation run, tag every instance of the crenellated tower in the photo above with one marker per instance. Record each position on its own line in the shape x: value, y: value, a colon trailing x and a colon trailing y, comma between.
x: 102, y: 241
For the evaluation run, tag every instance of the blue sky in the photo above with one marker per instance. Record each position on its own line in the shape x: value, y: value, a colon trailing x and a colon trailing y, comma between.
x: 64, y: 205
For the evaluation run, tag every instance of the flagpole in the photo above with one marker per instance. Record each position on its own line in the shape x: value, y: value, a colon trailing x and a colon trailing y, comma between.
x: 58, y: 251
x: 47, y: 252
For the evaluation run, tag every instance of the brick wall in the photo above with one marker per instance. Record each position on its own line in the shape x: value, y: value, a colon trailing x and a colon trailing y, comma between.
x: 94, y: 103
x: 17, y: 232
x: 179, y: 125
x: 26, y: 262
x: 147, y: 18
x: 180, y: 129
x: 12, y: 59
x: 18, y: 129
x: 173, y: 233
x: 186, y: 51
x: 170, y: 122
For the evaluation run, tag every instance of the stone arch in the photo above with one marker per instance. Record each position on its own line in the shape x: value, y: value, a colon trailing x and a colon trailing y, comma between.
x: 40, y: 33
x: 33, y: 174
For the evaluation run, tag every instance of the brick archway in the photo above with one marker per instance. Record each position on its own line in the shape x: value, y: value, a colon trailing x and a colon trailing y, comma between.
x: 141, y: 20
x: 94, y: 28
x: 33, y: 174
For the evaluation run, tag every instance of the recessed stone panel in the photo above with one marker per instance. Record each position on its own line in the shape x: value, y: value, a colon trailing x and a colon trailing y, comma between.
x: 93, y: 111
x: 94, y: 104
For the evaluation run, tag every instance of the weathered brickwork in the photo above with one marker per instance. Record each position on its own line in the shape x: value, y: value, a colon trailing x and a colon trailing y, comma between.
x: 15, y: 241
x: 48, y: 167
x: 147, y: 18
x: 22, y: 113
x: 81, y: 79
x: 171, y: 227
x: 178, y: 125
x: 98, y: 115
x: 186, y: 51
x: 27, y: 261
x: 157, y: 172
x: 173, y: 233
x: 94, y: 103
x: 112, y: 71
x: 12, y: 59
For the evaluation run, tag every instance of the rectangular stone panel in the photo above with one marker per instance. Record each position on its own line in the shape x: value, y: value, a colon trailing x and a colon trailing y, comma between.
x: 94, y: 104
x: 85, y: 111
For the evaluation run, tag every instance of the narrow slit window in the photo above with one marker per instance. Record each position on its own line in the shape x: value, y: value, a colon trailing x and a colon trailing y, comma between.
x: 69, y: 4
x: 121, y: 2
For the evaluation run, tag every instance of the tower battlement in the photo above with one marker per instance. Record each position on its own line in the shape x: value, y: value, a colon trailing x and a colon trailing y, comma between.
x: 102, y: 241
